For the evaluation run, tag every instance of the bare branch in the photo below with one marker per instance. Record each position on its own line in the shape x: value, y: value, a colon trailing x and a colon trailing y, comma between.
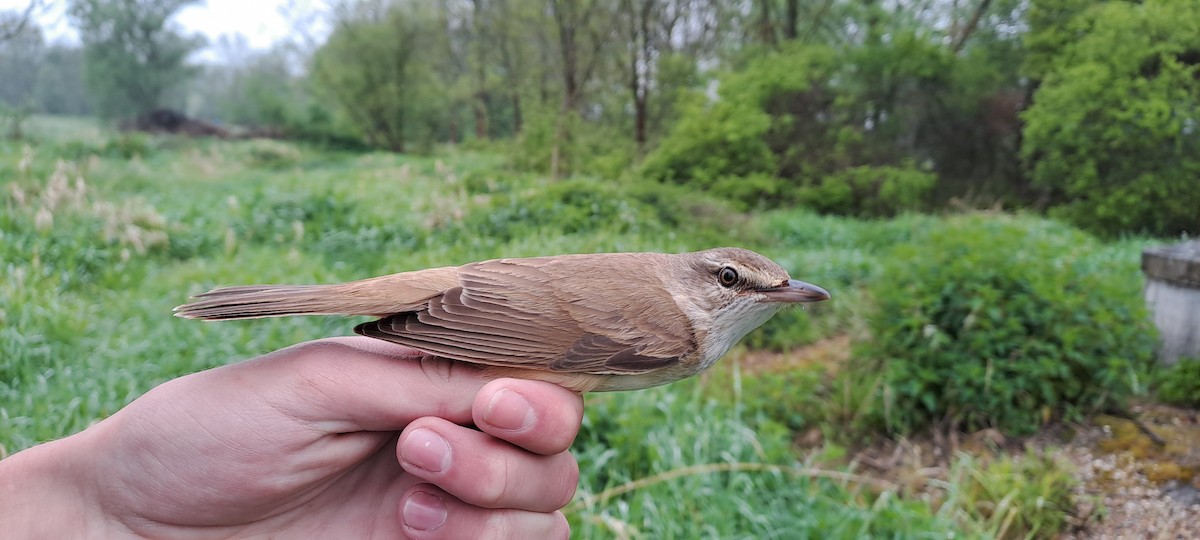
x: 13, y: 26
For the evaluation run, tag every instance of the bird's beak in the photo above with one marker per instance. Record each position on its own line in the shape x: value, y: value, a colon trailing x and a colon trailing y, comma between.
x: 796, y: 291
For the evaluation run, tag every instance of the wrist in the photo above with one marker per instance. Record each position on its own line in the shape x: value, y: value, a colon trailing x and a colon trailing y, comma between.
x: 46, y: 492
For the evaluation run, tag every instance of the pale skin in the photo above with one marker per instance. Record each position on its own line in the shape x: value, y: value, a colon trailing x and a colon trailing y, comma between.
x: 338, y: 438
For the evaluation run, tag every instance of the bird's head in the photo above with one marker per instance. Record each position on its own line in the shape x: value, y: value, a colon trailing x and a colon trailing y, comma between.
x: 734, y: 291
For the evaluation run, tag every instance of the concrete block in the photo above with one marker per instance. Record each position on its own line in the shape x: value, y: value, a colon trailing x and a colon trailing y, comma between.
x: 1173, y: 296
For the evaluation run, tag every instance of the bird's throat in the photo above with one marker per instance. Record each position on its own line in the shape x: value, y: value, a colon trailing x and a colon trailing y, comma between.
x: 731, y: 325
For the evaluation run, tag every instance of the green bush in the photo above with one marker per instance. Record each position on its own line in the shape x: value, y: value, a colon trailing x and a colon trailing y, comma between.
x: 1004, y: 322
x: 584, y: 148
x: 733, y: 145
x: 780, y: 134
x: 1112, y: 133
x: 1180, y: 383
x: 869, y: 191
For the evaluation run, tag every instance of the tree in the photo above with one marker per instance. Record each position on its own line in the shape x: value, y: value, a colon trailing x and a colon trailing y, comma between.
x: 20, y: 56
x: 583, y: 28
x: 1113, y: 131
x: 60, y: 88
x: 378, y: 68
x: 21, y: 48
x: 14, y: 23
x: 132, y: 56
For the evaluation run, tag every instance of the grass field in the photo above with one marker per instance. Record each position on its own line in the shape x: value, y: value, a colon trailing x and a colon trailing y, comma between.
x: 101, y: 235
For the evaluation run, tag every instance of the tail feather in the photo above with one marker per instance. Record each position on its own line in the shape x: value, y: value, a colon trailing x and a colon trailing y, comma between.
x: 256, y: 301
x: 379, y: 296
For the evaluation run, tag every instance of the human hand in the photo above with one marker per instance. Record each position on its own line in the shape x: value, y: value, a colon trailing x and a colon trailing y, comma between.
x: 345, y: 437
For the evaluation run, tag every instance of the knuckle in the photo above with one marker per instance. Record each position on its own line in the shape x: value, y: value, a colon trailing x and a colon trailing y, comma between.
x: 494, y: 483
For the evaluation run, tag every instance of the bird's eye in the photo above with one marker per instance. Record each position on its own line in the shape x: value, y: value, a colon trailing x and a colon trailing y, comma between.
x: 727, y: 276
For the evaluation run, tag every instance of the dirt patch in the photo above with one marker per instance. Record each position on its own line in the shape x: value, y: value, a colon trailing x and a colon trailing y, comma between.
x: 1148, y: 490
x: 1129, y: 486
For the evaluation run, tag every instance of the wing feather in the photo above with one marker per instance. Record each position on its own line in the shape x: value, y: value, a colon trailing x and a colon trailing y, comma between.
x: 523, y: 313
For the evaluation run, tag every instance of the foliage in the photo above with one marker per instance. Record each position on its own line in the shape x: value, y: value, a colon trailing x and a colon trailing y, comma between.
x: 1027, y: 496
x: 725, y: 141
x: 831, y: 129
x: 659, y: 432
x: 585, y: 206
x: 20, y: 55
x: 599, y: 150
x: 997, y: 322
x: 39, y: 77
x: 1053, y: 25
x: 373, y: 70
x: 60, y: 86
x: 1179, y: 384
x: 1112, y: 131
x: 271, y: 154
x: 712, y: 456
x: 869, y: 191
x: 133, y: 57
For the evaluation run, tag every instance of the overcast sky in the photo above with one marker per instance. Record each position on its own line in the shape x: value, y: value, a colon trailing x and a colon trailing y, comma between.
x: 260, y: 21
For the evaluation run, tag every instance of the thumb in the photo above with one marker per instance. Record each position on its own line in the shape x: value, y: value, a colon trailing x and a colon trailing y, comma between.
x: 351, y: 384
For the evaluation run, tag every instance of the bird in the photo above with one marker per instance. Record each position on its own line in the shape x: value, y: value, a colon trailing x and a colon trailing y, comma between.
x: 588, y: 322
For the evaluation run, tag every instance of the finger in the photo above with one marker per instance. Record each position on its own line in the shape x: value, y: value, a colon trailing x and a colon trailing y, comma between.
x: 485, y: 471
x: 348, y: 384
x: 428, y: 513
x: 538, y: 416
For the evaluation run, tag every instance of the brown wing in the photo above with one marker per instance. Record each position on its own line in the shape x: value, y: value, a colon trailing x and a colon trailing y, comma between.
x: 540, y: 312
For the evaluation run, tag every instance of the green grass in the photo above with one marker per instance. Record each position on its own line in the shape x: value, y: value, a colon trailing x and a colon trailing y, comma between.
x: 90, y: 269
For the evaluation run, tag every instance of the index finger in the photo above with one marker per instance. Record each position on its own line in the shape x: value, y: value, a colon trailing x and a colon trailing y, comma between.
x: 349, y: 384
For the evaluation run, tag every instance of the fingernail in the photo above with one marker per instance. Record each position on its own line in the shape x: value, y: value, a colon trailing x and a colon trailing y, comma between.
x: 423, y: 511
x: 426, y: 449
x: 509, y: 410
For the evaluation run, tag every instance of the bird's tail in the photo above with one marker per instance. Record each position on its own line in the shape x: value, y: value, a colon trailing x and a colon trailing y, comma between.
x: 255, y: 301
x: 379, y: 296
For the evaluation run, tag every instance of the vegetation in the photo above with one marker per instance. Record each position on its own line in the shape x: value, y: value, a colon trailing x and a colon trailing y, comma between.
x: 102, y: 236
x: 853, y: 141
x: 1180, y: 384
x: 1035, y: 326
x: 848, y: 107
x: 132, y: 56
x: 1112, y: 130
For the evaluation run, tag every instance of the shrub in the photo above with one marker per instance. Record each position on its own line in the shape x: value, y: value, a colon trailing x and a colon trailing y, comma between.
x: 584, y: 147
x: 788, y: 128
x: 869, y: 191
x: 1004, y: 322
x: 1180, y: 383
x: 734, y: 145
x: 1112, y: 129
